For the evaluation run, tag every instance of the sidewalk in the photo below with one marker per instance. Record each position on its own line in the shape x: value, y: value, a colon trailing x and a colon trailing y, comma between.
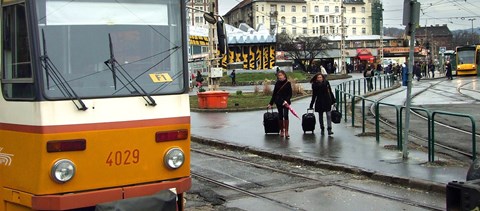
x: 343, y: 148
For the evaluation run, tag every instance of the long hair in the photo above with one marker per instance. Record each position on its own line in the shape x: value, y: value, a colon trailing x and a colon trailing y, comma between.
x: 314, y: 78
x: 284, y: 73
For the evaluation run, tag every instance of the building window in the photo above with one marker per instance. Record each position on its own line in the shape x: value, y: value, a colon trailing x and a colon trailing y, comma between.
x: 337, y: 9
x: 257, y: 7
x: 273, y: 8
x: 282, y: 19
x: 282, y: 8
x: 294, y: 20
x: 294, y: 30
x: 363, y: 9
x: 354, y: 31
x: 316, y: 9
x: 327, y: 8
x: 198, y: 1
x: 294, y: 9
x: 354, y: 10
x: 304, y: 9
x: 354, y: 20
x: 322, y: 29
x: 363, y: 20
x: 262, y: 9
x: 263, y: 19
x: 322, y: 19
x: 305, y: 30
x: 364, y: 31
x: 304, y: 20
x: 284, y: 30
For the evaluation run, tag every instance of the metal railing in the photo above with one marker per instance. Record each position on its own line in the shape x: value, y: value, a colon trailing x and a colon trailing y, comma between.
x: 354, y: 94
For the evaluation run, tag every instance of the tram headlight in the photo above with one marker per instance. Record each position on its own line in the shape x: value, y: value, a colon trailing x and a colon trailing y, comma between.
x: 174, y: 158
x: 62, y: 171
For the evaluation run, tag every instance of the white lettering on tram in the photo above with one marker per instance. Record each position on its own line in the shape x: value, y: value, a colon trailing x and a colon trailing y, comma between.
x: 5, y: 159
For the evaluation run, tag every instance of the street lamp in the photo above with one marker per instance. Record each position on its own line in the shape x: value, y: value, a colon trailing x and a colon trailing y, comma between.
x: 473, y: 37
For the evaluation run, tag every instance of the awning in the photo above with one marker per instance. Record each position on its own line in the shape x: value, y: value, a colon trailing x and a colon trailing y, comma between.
x: 366, y: 57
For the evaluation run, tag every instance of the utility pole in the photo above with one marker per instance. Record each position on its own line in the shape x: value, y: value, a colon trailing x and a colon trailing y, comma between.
x: 381, y: 37
x: 342, y: 42
x: 473, y: 36
x: 411, y: 17
x: 212, y: 49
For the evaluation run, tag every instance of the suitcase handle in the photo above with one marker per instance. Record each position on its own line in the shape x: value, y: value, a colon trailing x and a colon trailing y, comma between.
x: 310, y: 109
x: 268, y: 110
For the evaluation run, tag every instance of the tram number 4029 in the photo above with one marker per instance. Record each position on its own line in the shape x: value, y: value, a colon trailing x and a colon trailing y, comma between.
x: 126, y: 157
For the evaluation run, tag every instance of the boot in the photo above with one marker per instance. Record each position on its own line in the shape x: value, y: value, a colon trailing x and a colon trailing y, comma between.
x: 322, y: 130
x: 286, y: 124
x: 330, y: 131
x: 280, y: 125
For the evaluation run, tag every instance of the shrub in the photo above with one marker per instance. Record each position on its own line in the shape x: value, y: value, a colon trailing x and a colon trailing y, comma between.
x: 297, y: 89
x: 201, y: 89
x: 239, y: 92
x: 267, y: 90
x: 256, y: 90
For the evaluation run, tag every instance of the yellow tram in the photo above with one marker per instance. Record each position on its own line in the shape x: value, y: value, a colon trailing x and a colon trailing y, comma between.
x: 468, y: 60
x: 95, y: 106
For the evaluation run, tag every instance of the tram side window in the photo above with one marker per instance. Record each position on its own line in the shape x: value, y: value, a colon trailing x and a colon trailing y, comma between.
x: 17, y: 77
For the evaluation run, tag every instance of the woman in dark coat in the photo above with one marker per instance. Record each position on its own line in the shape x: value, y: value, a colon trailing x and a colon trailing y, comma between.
x: 323, y: 99
x: 282, y: 93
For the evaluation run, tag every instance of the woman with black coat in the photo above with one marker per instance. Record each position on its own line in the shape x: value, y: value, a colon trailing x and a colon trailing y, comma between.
x: 282, y: 94
x: 323, y: 99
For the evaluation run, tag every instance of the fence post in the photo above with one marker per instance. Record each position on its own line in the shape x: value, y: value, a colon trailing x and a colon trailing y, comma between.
x: 359, y: 88
x: 345, y: 97
x: 363, y: 115
x: 353, y: 110
x: 377, y: 122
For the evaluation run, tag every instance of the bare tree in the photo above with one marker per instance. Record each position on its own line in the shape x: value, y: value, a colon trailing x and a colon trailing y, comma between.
x: 464, y: 37
x: 303, y: 50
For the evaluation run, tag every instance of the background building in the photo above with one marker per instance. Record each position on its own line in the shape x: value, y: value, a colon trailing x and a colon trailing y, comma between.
x: 436, y: 36
x: 195, y: 17
x: 307, y: 17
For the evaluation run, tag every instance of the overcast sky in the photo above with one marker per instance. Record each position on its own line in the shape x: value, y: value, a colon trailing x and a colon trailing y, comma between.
x: 455, y: 13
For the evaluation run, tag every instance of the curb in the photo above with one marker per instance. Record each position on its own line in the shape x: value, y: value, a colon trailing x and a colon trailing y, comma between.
x: 245, y: 109
x: 325, y: 164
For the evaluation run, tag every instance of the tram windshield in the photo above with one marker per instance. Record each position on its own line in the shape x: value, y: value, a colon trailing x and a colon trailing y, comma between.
x: 466, y: 56
x: 103, y: 47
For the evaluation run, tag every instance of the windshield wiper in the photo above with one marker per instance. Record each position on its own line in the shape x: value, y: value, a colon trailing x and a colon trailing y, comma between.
x: 113, y: 65
x: 52, y: 72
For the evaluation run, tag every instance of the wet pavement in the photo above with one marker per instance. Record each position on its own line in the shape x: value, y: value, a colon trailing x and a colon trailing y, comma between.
x: 344, y: 147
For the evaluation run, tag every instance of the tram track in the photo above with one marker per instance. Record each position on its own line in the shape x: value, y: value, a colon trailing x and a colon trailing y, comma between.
x: 292, y: 174
x: 419, y: 115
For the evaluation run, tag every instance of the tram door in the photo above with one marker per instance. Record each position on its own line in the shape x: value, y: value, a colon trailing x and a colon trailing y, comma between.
x: 477, y: 60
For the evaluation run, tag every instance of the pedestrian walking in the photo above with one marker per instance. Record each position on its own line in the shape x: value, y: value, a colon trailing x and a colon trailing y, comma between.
x: 368, y: 74
x: 199, y: 79
x: 448, y: 69
x: 431, y: 68
x: 417, y: 71
x: 233, y: 75
x: 405, y: 74
x: 323, y: 99
x: 282, y: 94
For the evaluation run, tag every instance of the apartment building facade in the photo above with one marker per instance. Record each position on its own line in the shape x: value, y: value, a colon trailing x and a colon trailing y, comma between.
x: 305, y: 17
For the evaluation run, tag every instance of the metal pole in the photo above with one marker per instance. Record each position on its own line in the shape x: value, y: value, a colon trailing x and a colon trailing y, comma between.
x: 409, y: 93
x: 342, y: 42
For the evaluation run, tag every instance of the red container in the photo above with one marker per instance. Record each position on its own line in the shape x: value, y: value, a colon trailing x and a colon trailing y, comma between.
x: 212, y: 99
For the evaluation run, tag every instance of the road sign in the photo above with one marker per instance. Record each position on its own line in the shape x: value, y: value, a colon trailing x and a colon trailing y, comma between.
x: 443, y: 49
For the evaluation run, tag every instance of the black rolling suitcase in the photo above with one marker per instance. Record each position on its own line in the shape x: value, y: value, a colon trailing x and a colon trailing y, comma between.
x: 270, y: 122
x: 308, y: 121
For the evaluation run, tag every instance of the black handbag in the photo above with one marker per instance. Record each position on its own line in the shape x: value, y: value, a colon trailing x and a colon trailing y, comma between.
x: 336, y: 115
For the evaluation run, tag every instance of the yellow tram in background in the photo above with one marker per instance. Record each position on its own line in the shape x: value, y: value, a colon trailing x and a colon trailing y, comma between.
x: 468, y: 60
x: 95, y: 106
